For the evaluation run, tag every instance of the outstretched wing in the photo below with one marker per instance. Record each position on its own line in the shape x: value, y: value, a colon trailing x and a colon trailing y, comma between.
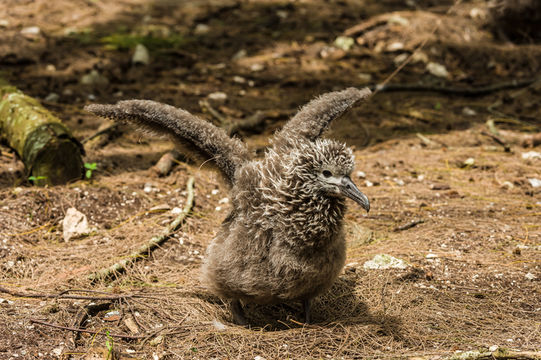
x: 198, y: 136
x: 313, y: 118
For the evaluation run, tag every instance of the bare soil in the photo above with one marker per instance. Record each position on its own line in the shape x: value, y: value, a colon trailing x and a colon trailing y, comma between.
x: 474, y: 273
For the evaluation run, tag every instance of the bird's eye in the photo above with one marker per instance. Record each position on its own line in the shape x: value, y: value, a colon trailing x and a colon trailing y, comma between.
x: 327, y: 173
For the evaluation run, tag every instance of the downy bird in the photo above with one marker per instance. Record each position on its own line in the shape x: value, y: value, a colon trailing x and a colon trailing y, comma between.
x: 283, y: 239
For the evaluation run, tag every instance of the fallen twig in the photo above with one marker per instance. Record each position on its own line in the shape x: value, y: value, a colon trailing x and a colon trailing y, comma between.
x: 63, y: 295
x: 205, y: 105
x: 84, y: 313
x: 492, y: 127
x: 166, y: 163
x: 408, y: 225
x: 153, y: 243
x: 122, y: 336
x: 499, y: 354
x: 429, y: 142
x: 506, y: 147
x: 451, y: 90
x: 106, y: 130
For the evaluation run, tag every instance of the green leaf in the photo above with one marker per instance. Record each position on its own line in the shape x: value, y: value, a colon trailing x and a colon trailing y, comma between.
x: 91, y: 166
x: 88, y: 174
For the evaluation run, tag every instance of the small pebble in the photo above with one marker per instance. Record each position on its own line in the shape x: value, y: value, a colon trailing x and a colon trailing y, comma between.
x: 201, y: 29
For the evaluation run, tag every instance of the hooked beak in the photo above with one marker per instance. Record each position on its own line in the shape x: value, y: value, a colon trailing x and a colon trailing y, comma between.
x: 349, y: 189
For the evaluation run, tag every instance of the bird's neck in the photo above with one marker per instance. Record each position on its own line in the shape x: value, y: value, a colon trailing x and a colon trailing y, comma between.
x: 316, y: 215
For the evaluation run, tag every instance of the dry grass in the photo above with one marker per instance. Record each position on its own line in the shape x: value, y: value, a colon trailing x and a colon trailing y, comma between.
x: 482, y: 227
x: 473, y: 294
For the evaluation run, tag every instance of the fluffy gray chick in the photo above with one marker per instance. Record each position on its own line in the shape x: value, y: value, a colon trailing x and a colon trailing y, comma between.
x: 283, y: 239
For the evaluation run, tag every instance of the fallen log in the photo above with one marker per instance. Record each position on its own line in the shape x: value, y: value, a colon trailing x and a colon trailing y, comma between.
x: 50, y: 153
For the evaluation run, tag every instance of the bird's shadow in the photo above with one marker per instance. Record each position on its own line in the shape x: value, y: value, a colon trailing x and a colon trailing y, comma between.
x: 339, y: 305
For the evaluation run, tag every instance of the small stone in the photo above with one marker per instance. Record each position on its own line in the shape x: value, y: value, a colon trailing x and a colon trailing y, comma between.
x: 531, y: 155
x: 5, y: 301
x: 50, y: 68
x: 431, y: 256
x: 282, y: 14
x: 156, y: 341
x: 368, y: 183
x: 437, y: 70
x: 399, y: 59
x: 112, y: 316
x: 507, y: 185
x: 4, y: 23
x: 57, y: 351
x: 469, y: 162
x: 439, y: 187
x: 94, y: 78
x: 360, y: 174
x: 201, y: 29
x: 218, y: 325
x: 395, y: 46
x: 31, y: 31
x: 52, y: 97
x: 364, y: 78
x: 215, y: 191
x: 469, y: 111
x: 67, y: 92
x: 419, y: 57
x: 140, y: 55
x: 239, y: 55
x: 217, y: 97
x: 493, y: 348
x: 257, y: 67
x: 344, y: 42
x: 384, y: 261
x: 239, y: 79
x: 223, y: 201
x: 535, y: 182
x: 477, y: 14
x: 530, y: 276
x: 259, y: 358
x: 147, y: 187
x: 74, y: 224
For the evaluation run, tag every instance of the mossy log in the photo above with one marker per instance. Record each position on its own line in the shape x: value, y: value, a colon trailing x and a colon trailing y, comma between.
x: 50, y: 153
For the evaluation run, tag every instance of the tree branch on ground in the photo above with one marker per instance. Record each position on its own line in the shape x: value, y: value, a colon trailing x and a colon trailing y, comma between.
x: 144, y: 250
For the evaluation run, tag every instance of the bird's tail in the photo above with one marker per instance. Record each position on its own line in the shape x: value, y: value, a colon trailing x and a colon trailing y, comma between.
x: 199, y: 137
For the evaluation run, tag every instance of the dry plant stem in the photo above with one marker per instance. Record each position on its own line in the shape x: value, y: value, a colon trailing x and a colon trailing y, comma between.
x: 492, y: 127
x: 65, y: 296
x: 205, y: 105
x: 408, y: 225
x: 498, y: 140
x: 428, y: 141
x: 500, y: 354
x: 83, y: 314
x: 451, y: 90
x: 106, y: 130
x: 122, y: 336
x: 152, y: 244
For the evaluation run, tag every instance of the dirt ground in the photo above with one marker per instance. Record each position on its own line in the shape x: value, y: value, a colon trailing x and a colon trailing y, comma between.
x: 473, y: 279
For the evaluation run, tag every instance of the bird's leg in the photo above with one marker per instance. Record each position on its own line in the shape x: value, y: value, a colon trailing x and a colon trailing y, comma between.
x: 307, y: 305
x: 238, y: 313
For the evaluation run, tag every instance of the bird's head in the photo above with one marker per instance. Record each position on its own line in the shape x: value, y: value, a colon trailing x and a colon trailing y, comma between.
x: 326, y: 165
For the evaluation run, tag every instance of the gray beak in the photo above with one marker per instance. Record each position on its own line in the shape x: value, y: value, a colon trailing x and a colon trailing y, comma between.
x: 349, y: 189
